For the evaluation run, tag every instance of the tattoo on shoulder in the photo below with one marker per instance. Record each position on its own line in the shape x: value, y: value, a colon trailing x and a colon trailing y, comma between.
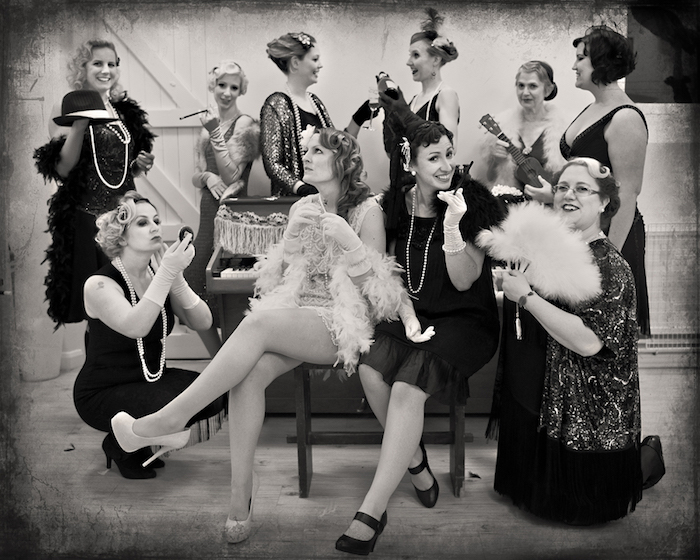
x: 100, y: 284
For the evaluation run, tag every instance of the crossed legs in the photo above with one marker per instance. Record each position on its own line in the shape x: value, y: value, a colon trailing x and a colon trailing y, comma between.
x: 400, y: 409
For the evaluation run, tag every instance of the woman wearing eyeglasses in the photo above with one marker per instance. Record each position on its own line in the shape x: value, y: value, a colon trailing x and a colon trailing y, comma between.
x: 569, y: 434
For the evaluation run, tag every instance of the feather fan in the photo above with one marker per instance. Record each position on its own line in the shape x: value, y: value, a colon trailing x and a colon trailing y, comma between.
x: 556, y: 260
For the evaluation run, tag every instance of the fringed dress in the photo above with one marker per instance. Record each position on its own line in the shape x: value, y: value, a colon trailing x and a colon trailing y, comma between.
x: 93, y: 186
x: 112, y: 380
x: 466, y: 322
x: 574, y: 457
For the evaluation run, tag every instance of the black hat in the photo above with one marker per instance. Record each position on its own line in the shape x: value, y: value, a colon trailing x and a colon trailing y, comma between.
x: 82, y: 104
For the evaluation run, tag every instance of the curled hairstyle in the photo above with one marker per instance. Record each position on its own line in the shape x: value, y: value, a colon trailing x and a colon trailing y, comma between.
x: 113, y: 224
x: 611, y: 54
x: 282, y: 49
x: 227, y: 68
x: 425, y: 134
x: 77, y: 66
x: 348, y: 168
x: 438, y: 45
x: 608, y: 187
x: 545, y: 74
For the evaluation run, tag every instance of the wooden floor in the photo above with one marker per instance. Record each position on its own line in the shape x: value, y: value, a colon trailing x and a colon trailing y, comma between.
x: 69, y: 506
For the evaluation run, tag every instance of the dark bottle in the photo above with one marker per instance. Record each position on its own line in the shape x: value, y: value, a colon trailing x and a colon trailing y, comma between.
x: 387, y: 85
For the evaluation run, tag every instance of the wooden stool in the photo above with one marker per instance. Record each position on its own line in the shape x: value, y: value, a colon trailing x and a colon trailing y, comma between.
x: 306, y: 437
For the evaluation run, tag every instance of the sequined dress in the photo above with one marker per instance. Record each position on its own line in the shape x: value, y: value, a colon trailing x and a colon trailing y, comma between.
x: 280, y: 139
x: 92, y: 187
x: 591, y: 143
x: 576, y: 458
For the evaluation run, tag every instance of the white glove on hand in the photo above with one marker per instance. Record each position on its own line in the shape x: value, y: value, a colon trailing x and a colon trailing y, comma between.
x: 336, y: 227
x: 456, y: 206
x: 168, y: 264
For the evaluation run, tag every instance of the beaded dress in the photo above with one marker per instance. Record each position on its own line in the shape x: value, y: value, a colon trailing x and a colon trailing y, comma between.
x: 591, y: 143
x: 575, y: 457
x: 243, y: 148
x: 317, y: 278
x: 112, y: 380
x: 280, y: 137
x: 466, y: 322
x: 93, y: 186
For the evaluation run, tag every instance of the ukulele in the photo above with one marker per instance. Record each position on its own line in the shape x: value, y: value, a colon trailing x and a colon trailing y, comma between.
x: 528, y: 167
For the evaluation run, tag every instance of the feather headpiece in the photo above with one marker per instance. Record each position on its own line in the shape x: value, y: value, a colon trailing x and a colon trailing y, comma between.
x: 556, y: 260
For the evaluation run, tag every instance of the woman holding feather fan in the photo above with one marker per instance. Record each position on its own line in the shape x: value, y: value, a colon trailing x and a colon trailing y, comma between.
x: 568, y: 426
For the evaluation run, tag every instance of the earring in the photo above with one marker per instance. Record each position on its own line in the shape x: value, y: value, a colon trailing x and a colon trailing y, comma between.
x: 413, y: 172
x: 434, y: 73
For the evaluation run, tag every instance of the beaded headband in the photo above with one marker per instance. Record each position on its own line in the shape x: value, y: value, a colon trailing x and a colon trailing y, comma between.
x: 303, y: 39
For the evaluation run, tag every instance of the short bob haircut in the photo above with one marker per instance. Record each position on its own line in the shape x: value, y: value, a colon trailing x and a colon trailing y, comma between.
x: 347, y: 167
x: 611, y: 54
x: 282, y: 49
x: 113, y: 224
x: 227, y: 68
x: 78, y: 71
x: 544, y: 72
x: 608, y: 187
x: 425, y: 134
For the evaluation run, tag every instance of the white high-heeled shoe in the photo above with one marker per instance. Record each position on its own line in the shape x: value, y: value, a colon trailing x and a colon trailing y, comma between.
x: 238, y: 531
x: 123, y: 429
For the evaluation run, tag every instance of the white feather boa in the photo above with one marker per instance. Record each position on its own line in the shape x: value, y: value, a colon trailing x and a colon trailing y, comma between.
x: 356, y: 309
x: 556, y: 260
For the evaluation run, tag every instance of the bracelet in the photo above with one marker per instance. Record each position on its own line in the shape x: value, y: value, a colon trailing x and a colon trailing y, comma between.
x: 359, y: 268
x: 523, y: 299
x: 454, y: 250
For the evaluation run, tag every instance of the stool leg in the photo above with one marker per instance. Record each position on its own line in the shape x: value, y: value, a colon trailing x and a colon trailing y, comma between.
x: 303, y: 414
x: 457, y: 448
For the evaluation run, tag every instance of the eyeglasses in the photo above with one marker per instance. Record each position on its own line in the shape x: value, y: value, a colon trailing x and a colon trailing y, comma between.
x: 579, y: 190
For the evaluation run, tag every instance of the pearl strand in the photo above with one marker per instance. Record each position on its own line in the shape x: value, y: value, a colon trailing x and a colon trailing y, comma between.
x: 297, y: 116
x: 150, y: 377
x: 409, y: 283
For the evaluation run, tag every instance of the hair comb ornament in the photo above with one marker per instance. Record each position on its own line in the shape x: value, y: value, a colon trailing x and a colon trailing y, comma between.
x: 303, y: 39
x: 405, y: 153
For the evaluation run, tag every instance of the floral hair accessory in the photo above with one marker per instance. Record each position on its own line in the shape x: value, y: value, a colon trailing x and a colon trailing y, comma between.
x: 123, y: 213
x: 441, y: 43
x: 306, y: 135
x: 303, y: 39
x: 405, y: 153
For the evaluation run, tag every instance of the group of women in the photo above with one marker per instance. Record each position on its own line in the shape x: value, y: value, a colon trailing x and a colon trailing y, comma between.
x: 396, y: 287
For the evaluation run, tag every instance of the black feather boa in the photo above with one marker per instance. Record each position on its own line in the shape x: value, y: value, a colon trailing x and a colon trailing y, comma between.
x: 63, y: 204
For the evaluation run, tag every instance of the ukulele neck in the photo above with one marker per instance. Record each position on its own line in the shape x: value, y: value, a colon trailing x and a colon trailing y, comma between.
x: 513, y: 150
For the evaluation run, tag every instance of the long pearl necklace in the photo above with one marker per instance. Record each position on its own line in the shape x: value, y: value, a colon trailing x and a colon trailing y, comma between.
x: 297, y: 116
x: 409, y: 283
x: 119, y: 129
x: 150, y: 377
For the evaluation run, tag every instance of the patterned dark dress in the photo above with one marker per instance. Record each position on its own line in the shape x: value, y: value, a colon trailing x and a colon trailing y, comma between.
x: 280, y: 142
x: 466, y: 322
x: 86, y: 193
x: 575, y: 456
x: 591, y: 143
x: 111, y: 380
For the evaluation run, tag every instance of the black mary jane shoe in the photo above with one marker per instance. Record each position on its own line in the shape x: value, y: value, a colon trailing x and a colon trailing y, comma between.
x: 427, y: 497
x: 129, y: 464
x: 356, y: 546
x: 659, y: 468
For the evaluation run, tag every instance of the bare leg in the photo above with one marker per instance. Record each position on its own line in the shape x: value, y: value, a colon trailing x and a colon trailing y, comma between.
x: 246, y: 416
x: 378, y: 393
x: 404, y: 426
x: 211, y: 340
x: 296, y: 333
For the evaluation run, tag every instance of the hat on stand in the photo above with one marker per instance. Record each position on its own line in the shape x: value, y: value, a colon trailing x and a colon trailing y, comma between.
x: 82, y: 104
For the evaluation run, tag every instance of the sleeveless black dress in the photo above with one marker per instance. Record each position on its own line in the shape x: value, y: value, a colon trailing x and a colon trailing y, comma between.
x: 111, y: 380
x: 591, y: 143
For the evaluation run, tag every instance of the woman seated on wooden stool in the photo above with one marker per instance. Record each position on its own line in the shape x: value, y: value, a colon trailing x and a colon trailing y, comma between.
x: 449, y: 281
x: 124, y: 301
x: 319, y: 295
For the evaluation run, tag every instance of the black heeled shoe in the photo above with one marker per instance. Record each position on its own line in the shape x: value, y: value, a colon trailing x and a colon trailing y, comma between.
x: 129, y: 464
x: 427, y: 497
x: 658, y: 469
x: 356, y: 546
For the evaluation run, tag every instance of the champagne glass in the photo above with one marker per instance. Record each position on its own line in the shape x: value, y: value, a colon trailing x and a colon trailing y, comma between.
x: 373, y: 104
